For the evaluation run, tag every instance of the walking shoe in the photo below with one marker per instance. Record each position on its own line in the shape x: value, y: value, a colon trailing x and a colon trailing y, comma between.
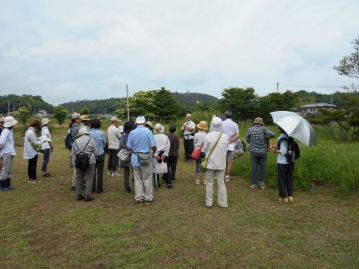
x: 226, y: 178
x: 285, y: 200
x: 262, y: 187
x: 31, y: 181
x: 89, y: 198
x: 253, y: 187
x: 169, y: 186
x: 47, y: 174
x: 290, y: 199
x: 204, y: 182
x: 112, y: 174
x: 80, y: 197
x: 140, y: 202
x: 197, y: 181
x: 116, y: 174
x: 148, y: 202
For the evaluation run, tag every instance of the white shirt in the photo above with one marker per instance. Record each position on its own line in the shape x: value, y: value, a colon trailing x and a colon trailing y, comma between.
x: 217, y: 160
x: 231, y: 129
x: 7, y: 142
x: 30, y: 137
x: 281, y: 159
x: 186, y: 132
x: 162, y: 143
x: 199, y: 139
x: 113, y: 137
x: 46, y: 137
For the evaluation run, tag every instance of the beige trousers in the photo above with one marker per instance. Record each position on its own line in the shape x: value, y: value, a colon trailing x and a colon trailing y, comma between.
x: 222, y: 191
x: 143, y: 182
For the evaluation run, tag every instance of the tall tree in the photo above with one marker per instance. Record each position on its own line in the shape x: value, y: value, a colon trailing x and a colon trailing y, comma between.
x: 23, y: 114
x: 349, y: 65
x: 60, y: 114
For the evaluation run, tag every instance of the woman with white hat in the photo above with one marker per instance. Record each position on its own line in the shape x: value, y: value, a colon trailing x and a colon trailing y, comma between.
x: 7, y: 153
x: 161, y: 154
x: 32, y: 147
x: 46, y: 147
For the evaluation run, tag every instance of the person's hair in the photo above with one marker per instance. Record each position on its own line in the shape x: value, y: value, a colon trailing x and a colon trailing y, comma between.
x: 72, y: 121
x: 228, y: 114
x: 128, y: 127
x: 36, y: 124
x: 172, y: 128
x: 95, y: 123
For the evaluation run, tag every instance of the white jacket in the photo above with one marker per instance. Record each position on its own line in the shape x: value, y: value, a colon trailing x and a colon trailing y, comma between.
x: 113, y: 137
x: 30, y: 138
x: 162, y: 143
x: 217, y: 159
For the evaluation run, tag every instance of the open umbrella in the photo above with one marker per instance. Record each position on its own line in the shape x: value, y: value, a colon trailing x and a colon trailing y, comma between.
x: 295, y: 125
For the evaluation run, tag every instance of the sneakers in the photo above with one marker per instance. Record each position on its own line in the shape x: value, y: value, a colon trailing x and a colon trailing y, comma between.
x: 116, y: 174
x: 148, y: 202
x: 80, y: 197
x: 47, y: 174
x: 197, y: 181
x: 285, y: 200
x: 32, y: 181
x: 262, y: 187
x: 140, y: 202
x: 226, y: 178
x: 253, y: 187
x: 290, y: 199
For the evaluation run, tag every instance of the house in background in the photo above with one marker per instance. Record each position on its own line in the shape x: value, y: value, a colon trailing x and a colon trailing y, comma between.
x: 41, y: 113
x: 314, y: 108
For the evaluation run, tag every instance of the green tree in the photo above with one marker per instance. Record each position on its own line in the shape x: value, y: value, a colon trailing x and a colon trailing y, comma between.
x: 349, y: 65
x: 23, y: 115
x: 166, y: 107
x: 84, y: 111
x: 60, y: 114
x: 241, y: 101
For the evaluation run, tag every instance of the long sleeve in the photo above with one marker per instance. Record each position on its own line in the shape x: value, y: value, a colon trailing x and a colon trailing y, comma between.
x: 3, y: 138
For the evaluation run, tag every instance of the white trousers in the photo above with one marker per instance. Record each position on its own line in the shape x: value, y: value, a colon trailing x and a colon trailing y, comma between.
x: 143, y: 182
x: 222, y: 191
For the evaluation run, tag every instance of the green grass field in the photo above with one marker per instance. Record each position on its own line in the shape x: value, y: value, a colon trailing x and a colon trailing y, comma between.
x: 42, y: 226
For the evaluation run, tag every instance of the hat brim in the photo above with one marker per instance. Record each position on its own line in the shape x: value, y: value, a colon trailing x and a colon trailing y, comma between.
x: 11, y: 124
x: 202, y: 128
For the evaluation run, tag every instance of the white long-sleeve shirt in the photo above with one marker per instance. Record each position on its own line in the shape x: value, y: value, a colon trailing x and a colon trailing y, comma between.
x: 46, y: 137
x: 7, y: 142
x: 217, y: 160
x: 113, y: 137
x: 162, y: 143
x: 29, y: 139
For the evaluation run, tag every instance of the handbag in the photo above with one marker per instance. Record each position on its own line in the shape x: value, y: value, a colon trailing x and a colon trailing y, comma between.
x: 144, y: 158
x: 204, y: 161
x: 196, y: 154
x: 161, y: 168
x: 124, y: 155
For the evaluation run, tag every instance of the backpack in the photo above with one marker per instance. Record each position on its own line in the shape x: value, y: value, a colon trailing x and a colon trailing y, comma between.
x: 293, y: 152
x: 82, y: 159
x: 68, y: 140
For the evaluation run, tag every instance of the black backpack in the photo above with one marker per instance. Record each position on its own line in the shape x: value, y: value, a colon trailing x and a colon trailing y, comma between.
x: 68, y: 140
x: 293, y: 152
x: 82, y: 159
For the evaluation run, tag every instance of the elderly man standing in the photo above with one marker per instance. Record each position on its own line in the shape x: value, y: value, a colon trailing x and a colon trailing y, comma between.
x: 257, y: 138
x: 142, y: 144
x: 188, y: 129
x: 74, y: 130
x: 231, y: 129
x: 113, y: 139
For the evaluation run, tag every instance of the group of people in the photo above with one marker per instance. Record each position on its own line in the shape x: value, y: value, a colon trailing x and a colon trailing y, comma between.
x: 149, y: 152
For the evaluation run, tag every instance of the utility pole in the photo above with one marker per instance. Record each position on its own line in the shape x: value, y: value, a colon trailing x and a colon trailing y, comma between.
x: 128, y: 105
x: 8, y: 107
x: 277, y: 86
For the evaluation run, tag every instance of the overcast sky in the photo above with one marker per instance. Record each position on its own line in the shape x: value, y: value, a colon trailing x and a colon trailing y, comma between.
x: 85, y: 49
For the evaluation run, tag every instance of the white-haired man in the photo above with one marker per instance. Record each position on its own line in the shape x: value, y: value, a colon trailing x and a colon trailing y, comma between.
x: 188, y: 129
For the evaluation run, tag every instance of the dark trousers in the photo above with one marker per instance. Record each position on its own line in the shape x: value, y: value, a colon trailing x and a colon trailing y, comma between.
x: 31, y: 168
x: 100, y: 161
x: 112, y: 160
x: 46, y: 160
x: 285, y: 179
x: 258, y: 161
x: 188, y: 148
x: 126, y: 177
x: 171, y: 168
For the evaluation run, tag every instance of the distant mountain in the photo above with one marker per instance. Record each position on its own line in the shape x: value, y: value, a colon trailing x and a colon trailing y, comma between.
x: 13, y: 102
x: 108, y: 106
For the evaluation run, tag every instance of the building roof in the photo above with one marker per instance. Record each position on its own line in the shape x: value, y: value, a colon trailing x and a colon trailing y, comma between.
x: 318, y: 105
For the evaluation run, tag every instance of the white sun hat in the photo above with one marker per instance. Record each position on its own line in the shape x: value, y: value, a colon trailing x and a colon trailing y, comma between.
x: 9, y: 122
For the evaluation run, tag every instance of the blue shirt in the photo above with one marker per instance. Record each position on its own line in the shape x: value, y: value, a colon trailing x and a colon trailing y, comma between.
x: 281, y: 159
x: 100, y: 140
x: 140, y: 140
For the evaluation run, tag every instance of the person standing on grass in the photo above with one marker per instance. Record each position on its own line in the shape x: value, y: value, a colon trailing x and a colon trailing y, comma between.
x: 198, y: 144
x: 188, y: 129
x: 163, y: 147
x: 215, y: 148
x: 113, y: 138
x: 285, y: 169
x: 46, y: 147
x: 74, y: 131
x: 126, y: 165
x: 7, y: 153
x: 172, y: 154
x: 1, y: 128
x: 231, y: 129
x: 84, y: 144
x: 257, y: 138
x: 142, y: 143
x: 100, y: 139
x: 31, y: 142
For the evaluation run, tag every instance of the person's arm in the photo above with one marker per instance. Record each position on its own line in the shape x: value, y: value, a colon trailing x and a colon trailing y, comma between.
x: 283, y: 147
x: 94, y: 147
x: 233, y: 138
x: 248, y: 137
x: 269, y: 133
x: 3, y: 138
x: 191, y: 127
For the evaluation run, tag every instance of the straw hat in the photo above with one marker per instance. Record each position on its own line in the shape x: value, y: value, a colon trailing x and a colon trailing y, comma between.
x: 258, y: 121
x: 44, y: 121
x: 84, y: 117
x: 202, y: 125
x: 140, y: 120
x: 113, y: 119
x: 150, y: 124
x: 159, y: 128
x: 9, y: 122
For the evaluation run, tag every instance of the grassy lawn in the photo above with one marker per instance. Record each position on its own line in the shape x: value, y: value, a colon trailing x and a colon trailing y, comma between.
x: 42, y: 226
